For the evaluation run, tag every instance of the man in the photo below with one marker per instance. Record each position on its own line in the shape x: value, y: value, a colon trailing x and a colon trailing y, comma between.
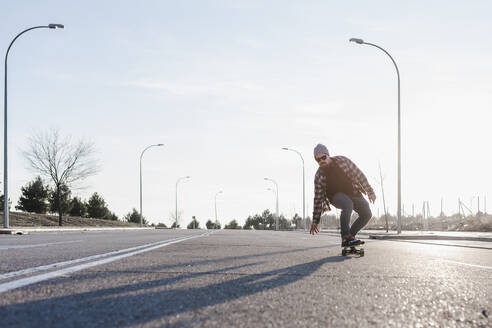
x: 341, y: 183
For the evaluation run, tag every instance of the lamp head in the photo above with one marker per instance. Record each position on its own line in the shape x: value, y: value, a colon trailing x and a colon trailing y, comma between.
x: 285, y: 148
x: 359, y: 41
x: 160, y: 145
x: 55, y: 26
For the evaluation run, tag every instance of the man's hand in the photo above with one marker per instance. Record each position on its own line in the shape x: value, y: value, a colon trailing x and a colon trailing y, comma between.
x: 314, y: 229
x: 372, y: 198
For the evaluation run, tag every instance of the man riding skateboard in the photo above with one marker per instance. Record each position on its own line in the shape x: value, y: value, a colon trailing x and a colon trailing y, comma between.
x: 341, y: 183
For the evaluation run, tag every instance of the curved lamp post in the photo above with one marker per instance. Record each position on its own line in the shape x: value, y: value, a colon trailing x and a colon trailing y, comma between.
x: 186, y: 177
x: 303, y: 186
x: 141, y: 155
x: 276, y: 203
x: 360, y: 41
x: 216, y: 222
x: 5, y: 175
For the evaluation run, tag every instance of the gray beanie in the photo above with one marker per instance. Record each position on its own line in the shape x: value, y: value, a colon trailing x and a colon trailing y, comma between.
x: 321, y: 149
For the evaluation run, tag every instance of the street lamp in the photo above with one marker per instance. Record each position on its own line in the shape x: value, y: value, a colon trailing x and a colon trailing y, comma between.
x: 360, y: 41
x: 276, y: 203
x: 303, y: 187
x: 216, y: 222
x: 186, y: 177
x: 5, y: 175
x: 141, y: 155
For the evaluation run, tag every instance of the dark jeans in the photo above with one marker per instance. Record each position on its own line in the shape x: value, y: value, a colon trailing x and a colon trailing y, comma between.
x: 348, y: 204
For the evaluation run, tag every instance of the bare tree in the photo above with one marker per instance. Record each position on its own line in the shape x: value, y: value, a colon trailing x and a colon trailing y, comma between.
x: 60, y: 160
x: 380, y: 180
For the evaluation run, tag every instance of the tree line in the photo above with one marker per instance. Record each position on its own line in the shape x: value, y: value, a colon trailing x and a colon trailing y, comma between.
x: 263, y: 221
x: 38, y: 197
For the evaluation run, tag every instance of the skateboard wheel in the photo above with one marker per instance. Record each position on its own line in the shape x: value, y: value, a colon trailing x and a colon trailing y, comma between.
x: 362, y: 252
x: 344, y: 252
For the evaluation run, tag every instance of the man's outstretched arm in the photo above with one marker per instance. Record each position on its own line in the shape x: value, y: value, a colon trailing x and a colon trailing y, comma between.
x: 318, y: 203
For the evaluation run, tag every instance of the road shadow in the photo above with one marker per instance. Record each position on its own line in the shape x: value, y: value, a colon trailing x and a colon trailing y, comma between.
x: 144, y: 302
x: 185, y: 266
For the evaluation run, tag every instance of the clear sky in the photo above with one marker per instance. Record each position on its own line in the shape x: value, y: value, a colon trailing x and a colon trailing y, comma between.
x: 226, y: 84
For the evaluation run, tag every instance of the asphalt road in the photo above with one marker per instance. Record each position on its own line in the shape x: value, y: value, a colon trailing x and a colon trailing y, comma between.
x: 229, y: 278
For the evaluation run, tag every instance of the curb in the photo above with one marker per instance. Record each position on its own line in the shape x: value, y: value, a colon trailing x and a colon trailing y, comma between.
x: 12, y: 232
x: 25, y: 231
x: 430, y: 237
x: 413, y: 237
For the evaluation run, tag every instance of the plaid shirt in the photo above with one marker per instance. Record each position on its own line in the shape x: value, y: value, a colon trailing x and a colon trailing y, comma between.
x: 358, y: 179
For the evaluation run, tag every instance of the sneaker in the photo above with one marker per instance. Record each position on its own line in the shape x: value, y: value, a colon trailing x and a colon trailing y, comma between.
x: 351, y: 241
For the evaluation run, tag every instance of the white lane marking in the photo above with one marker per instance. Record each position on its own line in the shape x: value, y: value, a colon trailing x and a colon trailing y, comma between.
x: 38, y: 245
x: 50, y: 275
x: 467, y: 264
x: 84, y: 259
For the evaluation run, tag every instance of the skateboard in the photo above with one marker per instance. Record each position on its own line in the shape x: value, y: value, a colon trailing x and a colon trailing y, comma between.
x: 352, y: 250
